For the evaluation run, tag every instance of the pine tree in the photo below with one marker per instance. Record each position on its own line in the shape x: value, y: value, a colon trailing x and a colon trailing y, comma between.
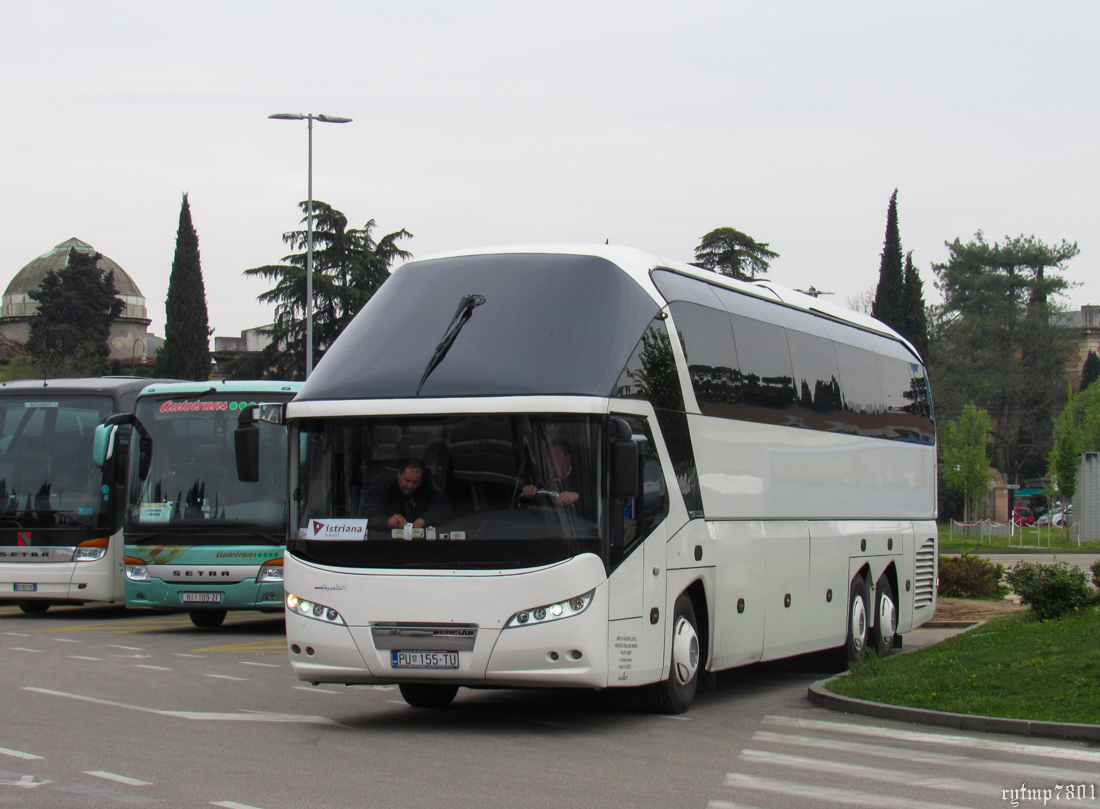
x: 1090, y: 371
x: 75, y: 308
x: 915, y: 322
x: 186, y: 350
x: 889, y: 305
x: 733, y: 253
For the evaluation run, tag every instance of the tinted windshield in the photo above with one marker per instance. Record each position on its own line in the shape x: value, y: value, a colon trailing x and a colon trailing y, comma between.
x: 482, y: 490
x: 47, y: 478
x: 183, y: 476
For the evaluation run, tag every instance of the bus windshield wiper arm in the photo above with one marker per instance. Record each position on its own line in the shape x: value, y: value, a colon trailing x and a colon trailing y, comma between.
x: 465, y: 308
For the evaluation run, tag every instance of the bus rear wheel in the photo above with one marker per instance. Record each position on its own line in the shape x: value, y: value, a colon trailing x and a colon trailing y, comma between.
x: 886, y: 618
x: 207, y: 619
x: 675, y: 695
x: 428, y: 695
x: 34, y: 607
x: 859, y: 623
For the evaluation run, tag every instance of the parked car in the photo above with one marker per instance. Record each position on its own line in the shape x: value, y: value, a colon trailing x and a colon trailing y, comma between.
x: 1021, y: 515
x: 1057, y: 516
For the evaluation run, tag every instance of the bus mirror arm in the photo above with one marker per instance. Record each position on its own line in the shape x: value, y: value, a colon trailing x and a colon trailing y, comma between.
x: 246, y: 445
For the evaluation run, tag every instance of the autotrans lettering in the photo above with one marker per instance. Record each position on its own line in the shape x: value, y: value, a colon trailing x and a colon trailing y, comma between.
x: 197, y: 406
x: 246, y: 555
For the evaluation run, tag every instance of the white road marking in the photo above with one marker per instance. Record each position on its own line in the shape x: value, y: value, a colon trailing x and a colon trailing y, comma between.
x: 182, y: 654
x: 82, y: 657
x: 232, y: 805
x: 227, y: 677
x: 67, y: 640
x: 127, y: 648
x: 155, y: 668
x: 244, y: 716
x: 919, y: 756
x: 728, y: 805
x: 312, y: 689
x: 21, y: 649
x: 26, y: 782
x: 864, y: 773
x: 122, y: 779
x: 19, y: 754
x: 814, y: 794
x: 266, y: 665
x: 898, y: 735
x: 17, y: 634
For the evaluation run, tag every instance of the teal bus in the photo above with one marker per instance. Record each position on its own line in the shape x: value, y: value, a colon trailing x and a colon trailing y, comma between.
x: 198, y: 538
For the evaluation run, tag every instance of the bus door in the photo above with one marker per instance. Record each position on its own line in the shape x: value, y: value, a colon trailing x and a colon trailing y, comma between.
x: 640, y: 531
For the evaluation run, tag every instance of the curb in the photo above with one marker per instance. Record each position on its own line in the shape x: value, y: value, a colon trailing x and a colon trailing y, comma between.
x: 821, y: 696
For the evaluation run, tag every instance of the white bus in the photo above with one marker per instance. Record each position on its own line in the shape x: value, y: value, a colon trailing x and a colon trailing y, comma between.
x: 633, y: 471
x: 60, y: 514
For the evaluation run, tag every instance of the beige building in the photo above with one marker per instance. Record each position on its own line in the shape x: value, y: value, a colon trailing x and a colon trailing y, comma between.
x: 130, y: 341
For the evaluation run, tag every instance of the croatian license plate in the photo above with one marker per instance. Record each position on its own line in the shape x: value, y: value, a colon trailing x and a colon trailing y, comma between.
x: 424, y: 660
x: 201, y: 598
x: 25, y: 588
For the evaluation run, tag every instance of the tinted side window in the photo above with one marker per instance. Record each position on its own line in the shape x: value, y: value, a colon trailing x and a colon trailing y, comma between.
x: 707, y: 339
x: 816, y: 378
x: 765, y: 363
x: 859, y: 386
x: 650, y: 374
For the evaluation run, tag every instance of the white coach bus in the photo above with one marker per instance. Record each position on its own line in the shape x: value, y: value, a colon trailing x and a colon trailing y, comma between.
x: 616, y: 471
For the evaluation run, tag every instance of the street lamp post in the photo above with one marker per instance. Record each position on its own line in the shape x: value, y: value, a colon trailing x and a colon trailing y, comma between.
x: 133, y: 353
x: 327, y: 119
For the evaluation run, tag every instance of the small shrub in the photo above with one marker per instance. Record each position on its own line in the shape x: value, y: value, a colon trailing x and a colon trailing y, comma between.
x: 1051, y: 590
x: 967, y: 576
x: 1095, y: 568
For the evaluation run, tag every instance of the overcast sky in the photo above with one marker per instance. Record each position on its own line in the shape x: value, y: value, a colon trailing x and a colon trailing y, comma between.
x: 479, y: 123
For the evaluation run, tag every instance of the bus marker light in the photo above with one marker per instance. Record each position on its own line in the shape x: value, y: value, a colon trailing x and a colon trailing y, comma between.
x: 556, y: 610
x: 540, y: 613
x: 291, y: 601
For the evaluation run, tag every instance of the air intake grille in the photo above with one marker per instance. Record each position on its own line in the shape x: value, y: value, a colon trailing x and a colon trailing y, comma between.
x: 925, y: 586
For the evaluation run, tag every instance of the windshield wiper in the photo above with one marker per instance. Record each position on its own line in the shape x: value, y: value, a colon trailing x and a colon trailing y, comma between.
x: 465, y: 308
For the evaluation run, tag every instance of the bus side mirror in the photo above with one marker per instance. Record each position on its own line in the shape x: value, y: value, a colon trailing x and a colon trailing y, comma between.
x: 246, y: 444
x: 103, y: 448
x: 625, y: 471
x: 104, y: 444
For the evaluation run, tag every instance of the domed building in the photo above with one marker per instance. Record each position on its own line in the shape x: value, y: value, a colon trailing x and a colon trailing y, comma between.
x: 129, y: 341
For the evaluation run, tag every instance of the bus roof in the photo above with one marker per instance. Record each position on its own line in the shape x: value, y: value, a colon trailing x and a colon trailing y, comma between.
x: 247, y: 386
x: 638, y: 264
x: 82, y: 386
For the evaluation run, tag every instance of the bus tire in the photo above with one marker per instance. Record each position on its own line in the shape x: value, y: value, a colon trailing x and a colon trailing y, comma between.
x: 207, y: 619
x: 428, y: 695
x: 859, y: 621
x: 34, y: 607
x: 886, y: 618
x: 675, y: 694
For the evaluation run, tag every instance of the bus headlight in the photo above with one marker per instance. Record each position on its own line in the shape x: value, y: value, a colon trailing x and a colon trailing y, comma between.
x: 551, y: 612
x: 270, y: 571
x: 136, y: 569
x: 91, y: 550
x: 311, y: 609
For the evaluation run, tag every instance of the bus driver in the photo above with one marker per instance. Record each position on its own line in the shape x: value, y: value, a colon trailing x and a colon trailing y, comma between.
x: 392, y: 502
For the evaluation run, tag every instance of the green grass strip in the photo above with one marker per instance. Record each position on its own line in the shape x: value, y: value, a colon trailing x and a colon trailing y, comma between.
x: 1014, y: 667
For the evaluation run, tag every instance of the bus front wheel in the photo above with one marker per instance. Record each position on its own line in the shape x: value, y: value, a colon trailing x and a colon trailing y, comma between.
x: 207, y: 619
x: 886, y: 618
x: 428, y: 695
x: 675, y: 695
x: 34, y: 607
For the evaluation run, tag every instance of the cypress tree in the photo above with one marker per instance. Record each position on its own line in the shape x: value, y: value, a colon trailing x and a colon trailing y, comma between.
x: 186, y: 350
x: 889, y: 305
x: 1090, y: 371
x: 916, y: 316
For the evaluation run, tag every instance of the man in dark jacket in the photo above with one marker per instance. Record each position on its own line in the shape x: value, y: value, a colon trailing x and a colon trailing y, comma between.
x: 392, y: 502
